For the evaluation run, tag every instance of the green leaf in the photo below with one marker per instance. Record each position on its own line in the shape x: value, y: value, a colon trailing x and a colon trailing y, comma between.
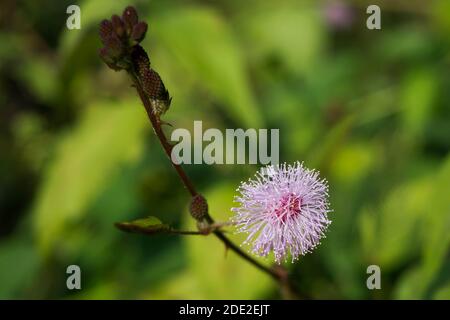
x: 443, y: 293
x: 331, y: 142
x: 203, y: 44
x: 409, y: 286
x: 40, y: 77
x: 107, y: 137
x: 149, y: 225
x: 435, y: 245
x: 181, y: 286
x: 404, y: 44
x: 19, y: 265
x: 353, y: 162
x: 399, y: 222
x: 416, y: 100
x: 293, y: 33
x: 441, y: 18
x: 367, y: 226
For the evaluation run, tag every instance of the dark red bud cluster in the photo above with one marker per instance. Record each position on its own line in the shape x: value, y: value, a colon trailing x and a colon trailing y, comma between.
x: 119, y: 35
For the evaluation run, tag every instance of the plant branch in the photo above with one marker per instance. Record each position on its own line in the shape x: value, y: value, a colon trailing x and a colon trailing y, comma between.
x: 135, y: 227
x: 156, y: 124
x: 151, y: 230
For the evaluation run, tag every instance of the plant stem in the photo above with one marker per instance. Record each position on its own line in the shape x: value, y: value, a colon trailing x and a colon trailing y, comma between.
x: 156, y: 124
x: 184, y: 232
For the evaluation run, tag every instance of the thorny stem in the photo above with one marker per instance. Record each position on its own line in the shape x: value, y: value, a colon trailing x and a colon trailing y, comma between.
x: 275, y: 273
x: 156, y: 124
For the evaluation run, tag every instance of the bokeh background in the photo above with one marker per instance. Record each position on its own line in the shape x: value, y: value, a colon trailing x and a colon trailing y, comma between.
x: 369, y: 109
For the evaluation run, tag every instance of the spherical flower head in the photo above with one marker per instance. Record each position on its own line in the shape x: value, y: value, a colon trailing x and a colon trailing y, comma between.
x: 284, y: 209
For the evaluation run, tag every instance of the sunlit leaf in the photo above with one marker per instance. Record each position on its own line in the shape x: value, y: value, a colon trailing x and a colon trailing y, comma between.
x: 293, y: 34
x: 434, y: 234
x: 436, y: 243
x: 204, y: 46
x: 352, y: 162
x: 107, y: 137
x: 399, y: 219
x: 181, y: 286
x: 368, y: 225
x: 331, y: 142
x: 441, y: 18
x: 409, y: 285
x: 417, y: 100
x: 40, y: 77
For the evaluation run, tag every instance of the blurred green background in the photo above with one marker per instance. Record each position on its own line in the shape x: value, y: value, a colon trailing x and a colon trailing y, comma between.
x: 369, y: 109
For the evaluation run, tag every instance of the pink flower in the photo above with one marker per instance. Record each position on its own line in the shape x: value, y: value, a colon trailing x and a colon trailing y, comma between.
x: 283, y: 209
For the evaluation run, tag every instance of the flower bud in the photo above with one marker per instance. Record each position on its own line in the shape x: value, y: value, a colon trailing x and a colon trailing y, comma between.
x: 104, y: 54
x: 114, y: 46
x: 198, y: 207
x: 130, y: 18
x: 139, y: 31
x: 105, y: 30
x: 118, y: 25
x: 110, y: 61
